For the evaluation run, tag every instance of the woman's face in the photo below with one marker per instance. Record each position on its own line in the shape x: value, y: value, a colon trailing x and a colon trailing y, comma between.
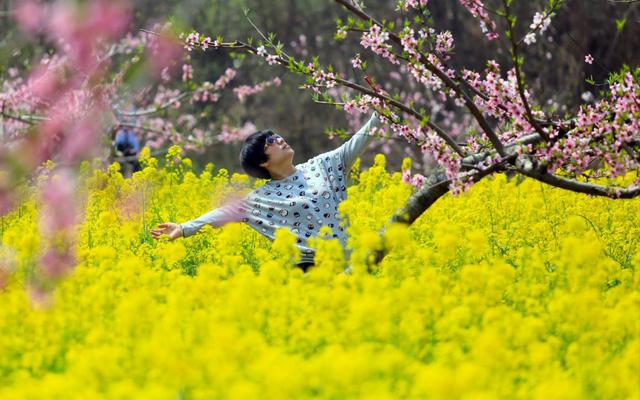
x: 278, y: 150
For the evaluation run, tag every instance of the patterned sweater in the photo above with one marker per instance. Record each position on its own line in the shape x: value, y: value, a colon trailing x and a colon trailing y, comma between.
x: 303, y: 201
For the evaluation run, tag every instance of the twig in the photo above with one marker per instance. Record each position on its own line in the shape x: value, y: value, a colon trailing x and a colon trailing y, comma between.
x: 516, y: 64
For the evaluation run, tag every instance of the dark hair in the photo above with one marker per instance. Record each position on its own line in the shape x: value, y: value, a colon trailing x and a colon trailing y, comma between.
x: 252, y: 154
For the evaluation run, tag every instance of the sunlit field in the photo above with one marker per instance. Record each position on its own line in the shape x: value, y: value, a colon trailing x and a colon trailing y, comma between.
x: 508, y: 291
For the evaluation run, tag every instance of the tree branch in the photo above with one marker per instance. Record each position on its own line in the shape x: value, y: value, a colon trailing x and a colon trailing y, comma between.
x: 238, y: 45
x: 540, y: 174
x: 516, y: 64
x: 151, y: 110
x: 425, y: 197
x: 493, y: 137
x: 26, y: 118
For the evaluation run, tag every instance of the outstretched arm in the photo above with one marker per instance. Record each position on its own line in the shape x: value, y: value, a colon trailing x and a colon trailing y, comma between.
x: 353, y: 147
x: 216, y: 218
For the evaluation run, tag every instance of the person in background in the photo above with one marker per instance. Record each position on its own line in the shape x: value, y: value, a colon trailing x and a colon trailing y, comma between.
x: 128, y: 146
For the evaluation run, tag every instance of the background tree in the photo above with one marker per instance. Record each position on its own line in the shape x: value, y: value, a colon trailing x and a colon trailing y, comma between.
x: 592, y: 148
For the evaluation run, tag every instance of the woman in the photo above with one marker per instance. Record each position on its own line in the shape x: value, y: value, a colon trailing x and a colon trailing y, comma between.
x: 302, y: 198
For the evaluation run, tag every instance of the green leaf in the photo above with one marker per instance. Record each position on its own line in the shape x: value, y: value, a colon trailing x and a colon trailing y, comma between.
x: 620, y: 24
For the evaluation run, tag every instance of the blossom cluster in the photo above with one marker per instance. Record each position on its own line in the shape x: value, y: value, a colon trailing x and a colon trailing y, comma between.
x: 244, y: 91
x: 479, y: 11
x: 503, y: 99
x: 409, y: 4
x: 444, y: 42
x: 604, y: 133
x: 356, y: 62
x: 541, y: 22
x: 416, y: 180
x: 270, y: 58
x: 376, y: 39
x: 229, y: 134
x: 362, y: 104
x: 196, y: 40
x: 208, y: 91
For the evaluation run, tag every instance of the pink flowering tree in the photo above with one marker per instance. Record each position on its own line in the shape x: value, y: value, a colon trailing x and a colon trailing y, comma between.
x: 98, y: 74
x: 595, y: 151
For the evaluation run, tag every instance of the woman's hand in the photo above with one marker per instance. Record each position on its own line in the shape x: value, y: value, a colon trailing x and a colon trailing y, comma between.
x: 170, y: 229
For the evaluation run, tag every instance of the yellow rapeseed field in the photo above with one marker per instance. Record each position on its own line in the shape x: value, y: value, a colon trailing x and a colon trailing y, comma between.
x: 505, y: 292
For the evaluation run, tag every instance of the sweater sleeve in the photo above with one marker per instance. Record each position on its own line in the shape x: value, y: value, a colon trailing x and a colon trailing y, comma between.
x: 353, y: 147
x: 216, y: 218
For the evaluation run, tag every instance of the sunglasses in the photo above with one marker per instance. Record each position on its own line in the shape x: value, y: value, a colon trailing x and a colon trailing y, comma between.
x: 271, y: 140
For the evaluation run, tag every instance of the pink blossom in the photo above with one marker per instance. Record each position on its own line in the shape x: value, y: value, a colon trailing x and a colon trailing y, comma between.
x: 376, y: 39
x: 191, y: 41
x: 59, y: 190
x: 444, y: 42
x: 588, y: 59
x: 478, y: 10
x: 205, y: 43
x: 272, y: 59
x: 406, y: 176
x: 83, y: 139
x: 262, y: 52
x: 29, y: 15
x: 244, y: 91
x: 408, y: 4
x: 162, y: 52
x: 45, y: 83
x: 187, y: 72
x: 418, y: 180
x: 349, y: 107
x: 530, y: 38
x: 540, y: 22
x: 164, y: 74
x: 237, y: 134
x: 356, y: 62
x: 80, y: 29
x: 224, y: 79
